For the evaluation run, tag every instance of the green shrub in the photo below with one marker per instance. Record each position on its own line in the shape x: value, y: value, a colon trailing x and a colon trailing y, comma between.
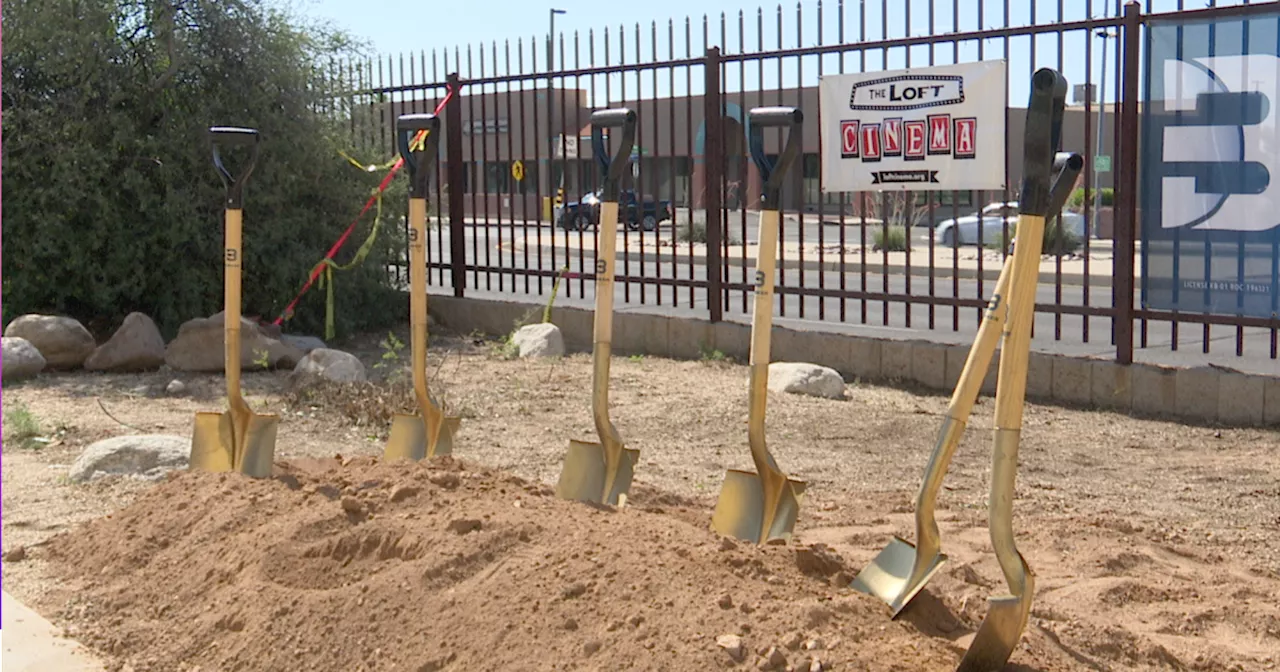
x: 1077, y: 198
x: 1057, y: 240
x: 895, y: 240
x: 113, y: 202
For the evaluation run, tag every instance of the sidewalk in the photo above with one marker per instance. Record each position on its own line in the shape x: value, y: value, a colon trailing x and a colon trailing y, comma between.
x: 33, y: 644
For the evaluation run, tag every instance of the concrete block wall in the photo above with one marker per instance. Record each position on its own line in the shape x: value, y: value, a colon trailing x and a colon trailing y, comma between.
x: 1201, y: 395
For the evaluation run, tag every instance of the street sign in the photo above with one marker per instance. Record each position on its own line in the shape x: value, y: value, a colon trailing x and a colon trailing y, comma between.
x: 1102, y: 163
x: 517, y: 170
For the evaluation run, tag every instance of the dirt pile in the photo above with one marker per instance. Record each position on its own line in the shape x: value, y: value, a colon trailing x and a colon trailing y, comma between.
x: 368, y: 566
x: 355, y: 565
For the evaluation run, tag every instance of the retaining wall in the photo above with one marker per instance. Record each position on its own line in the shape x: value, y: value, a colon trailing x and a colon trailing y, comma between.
x: 1202, y: 394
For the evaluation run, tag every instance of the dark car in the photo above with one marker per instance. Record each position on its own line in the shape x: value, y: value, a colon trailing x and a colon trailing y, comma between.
x: 633, y: 212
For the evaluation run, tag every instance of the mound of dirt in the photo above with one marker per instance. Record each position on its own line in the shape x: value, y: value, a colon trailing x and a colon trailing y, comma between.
x: 356, y: 565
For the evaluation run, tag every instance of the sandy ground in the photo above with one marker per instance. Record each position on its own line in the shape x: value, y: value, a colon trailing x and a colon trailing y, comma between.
x: 1153, y: 543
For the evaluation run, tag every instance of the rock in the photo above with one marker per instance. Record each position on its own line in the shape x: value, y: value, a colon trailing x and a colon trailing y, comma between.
x: 732, y: 645
x: 403, y: 492
x: 465, y: 525
x: 18, y: 554
x: 727, y: 544
x: 573, y: 590
x: 353, y: 506
x: 62, y: 341
x: 814, y: 644
x: 175, y: 387
x: 149, y: 456
x: 815, y: 665
x: 592, y: 646
x: 21, y: 359
x: 304, y: 344
x: 200, y: 343
x: 136, y: 346
x: 334, y: 365
x: 774, y: 659
x: 802, y: 378
x: 794, y: 640
x: 539, y: 340
x: 570, y: 624
x: 725, y: 601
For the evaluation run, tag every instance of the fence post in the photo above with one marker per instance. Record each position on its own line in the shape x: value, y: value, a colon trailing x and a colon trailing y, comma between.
x: 1122, y: 284
x: 713, y: 182
x: 457, y: 206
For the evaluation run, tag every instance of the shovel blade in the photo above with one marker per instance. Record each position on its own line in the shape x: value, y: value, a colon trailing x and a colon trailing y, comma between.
x: 888, y: 576
x: 740, y: 510
x: 212, y: 442
x: 998, y: 635
x: 408, y: 439
x: 259, y: 445
x: 448, y: 427
x: 585, y: 472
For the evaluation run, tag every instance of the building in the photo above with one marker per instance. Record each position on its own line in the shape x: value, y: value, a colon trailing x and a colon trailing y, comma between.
x: 500, y: 128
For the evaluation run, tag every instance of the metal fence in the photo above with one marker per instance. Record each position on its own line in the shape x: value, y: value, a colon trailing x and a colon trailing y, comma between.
x: 862, y: 258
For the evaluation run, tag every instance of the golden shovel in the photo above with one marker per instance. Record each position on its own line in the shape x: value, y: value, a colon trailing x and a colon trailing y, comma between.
x: 601, y: 472
x: 429, y: 432
x: 901, y: 570
x: 237, y: 439
x: 1007, y: 614
x: 763, y: 505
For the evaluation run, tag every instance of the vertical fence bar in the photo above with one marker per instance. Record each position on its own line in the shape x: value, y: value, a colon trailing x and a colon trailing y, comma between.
x: 713, y: 168
x: 1122, y: 282
x: 457, y: 207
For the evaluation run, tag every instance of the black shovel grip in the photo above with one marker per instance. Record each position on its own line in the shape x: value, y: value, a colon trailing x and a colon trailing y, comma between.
x: 611, y: 169
x: 420, y: 162
x: 1066, y: 168
x: 1043, y: 136
x: 234, y: 135
x: 758, y: 119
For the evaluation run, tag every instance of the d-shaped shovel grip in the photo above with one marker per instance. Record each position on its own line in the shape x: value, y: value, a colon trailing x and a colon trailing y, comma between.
x: 1041, y: 139
x: 234, y: 135
x: 1066, y: 168
x: 611, y: 169
x: 421, y: 161
x: 758, y: 119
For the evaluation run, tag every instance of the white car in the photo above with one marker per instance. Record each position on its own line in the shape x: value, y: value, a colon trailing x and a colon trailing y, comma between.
x: 993, y: 218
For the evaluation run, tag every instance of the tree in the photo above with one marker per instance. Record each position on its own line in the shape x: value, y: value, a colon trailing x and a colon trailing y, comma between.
x: 112, y: 202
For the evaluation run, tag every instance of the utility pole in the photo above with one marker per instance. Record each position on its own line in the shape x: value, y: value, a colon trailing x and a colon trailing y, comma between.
x: 1102, y: 121
x: 551, y: 134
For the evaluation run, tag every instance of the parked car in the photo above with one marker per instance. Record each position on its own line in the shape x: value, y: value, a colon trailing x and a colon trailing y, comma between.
x: 993, y: 217
x: 632, y: 211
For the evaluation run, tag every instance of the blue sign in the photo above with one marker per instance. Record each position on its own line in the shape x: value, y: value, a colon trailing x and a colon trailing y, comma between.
x: 1210, y: 166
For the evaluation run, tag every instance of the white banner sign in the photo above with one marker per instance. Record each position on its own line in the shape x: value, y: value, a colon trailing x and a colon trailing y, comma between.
x: 938, y: 128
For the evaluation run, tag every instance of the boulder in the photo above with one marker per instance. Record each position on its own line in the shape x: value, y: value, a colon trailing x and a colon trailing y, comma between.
x: 539, y: 340
x: 200, y: 343
x: 21, y: 359
x: 334, y: 365
x: 62, y: 341
x: 304, y: 344
x: 136, y: 346
x: 147, y: 456
x: 802, y: 378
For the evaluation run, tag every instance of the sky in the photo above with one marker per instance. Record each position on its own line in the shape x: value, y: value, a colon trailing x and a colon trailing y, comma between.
x: 417, y: 28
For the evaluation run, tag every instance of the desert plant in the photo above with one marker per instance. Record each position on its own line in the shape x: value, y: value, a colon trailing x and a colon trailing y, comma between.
x: 893, y: 239
x: 21, y: 426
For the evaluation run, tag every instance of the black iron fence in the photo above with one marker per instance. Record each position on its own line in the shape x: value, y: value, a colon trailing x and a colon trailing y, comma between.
x: 516, y: 165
